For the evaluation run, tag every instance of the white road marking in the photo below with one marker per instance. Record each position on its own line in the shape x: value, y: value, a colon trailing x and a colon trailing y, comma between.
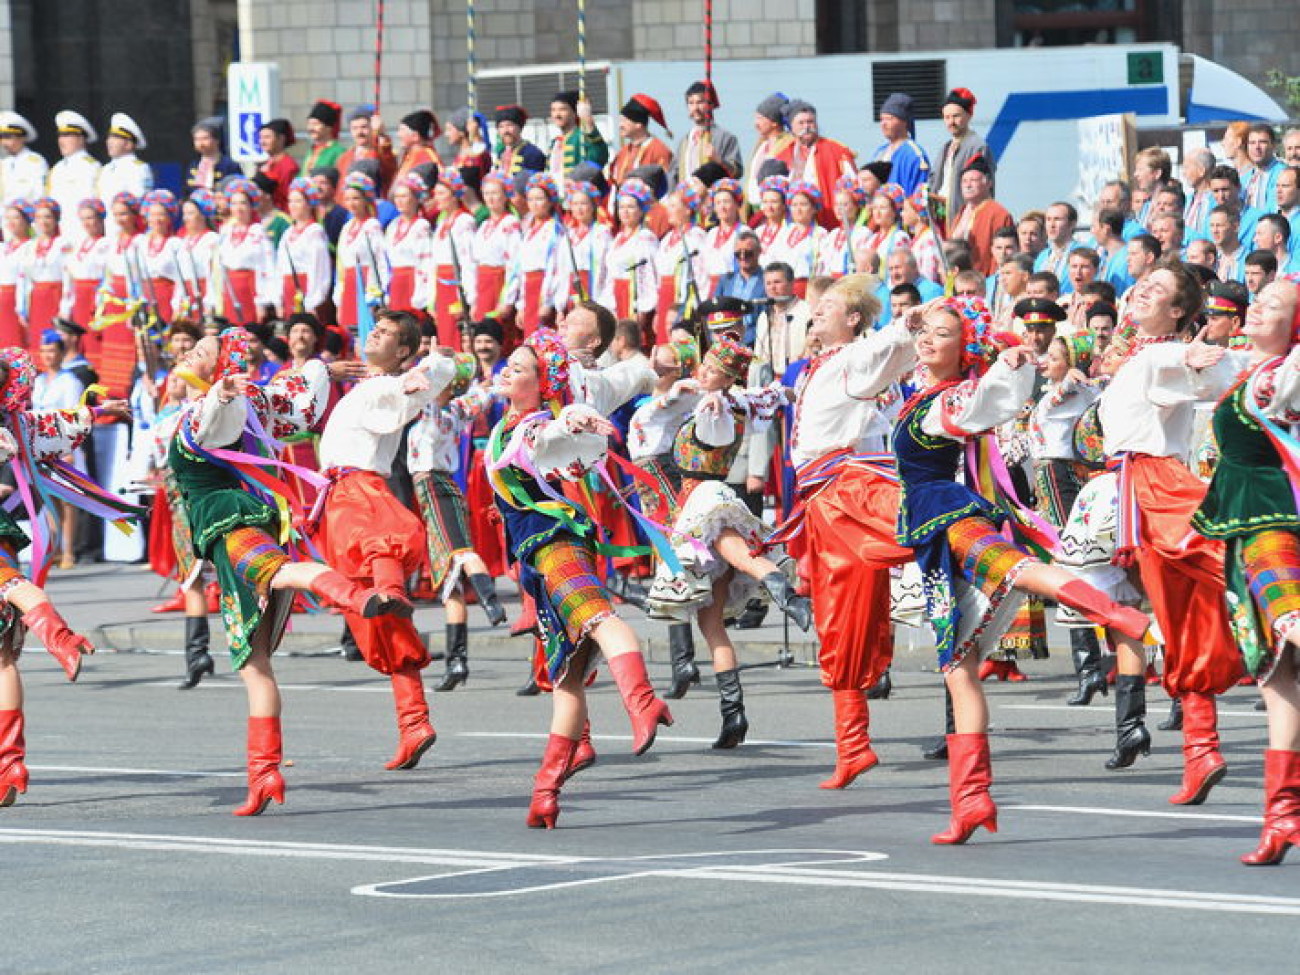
x: 661, y: 737
x: 808, y: 873
x: 1137, y: 813
x: 169, y: 773
x: 1259, y: 715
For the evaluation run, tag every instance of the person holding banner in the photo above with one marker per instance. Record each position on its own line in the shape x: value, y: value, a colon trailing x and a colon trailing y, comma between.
x: 302, y: 261
x: 246, y: 257
x: 453, y: 288
x: 361, y: 271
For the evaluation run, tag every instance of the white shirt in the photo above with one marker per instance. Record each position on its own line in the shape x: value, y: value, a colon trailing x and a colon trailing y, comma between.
x: 802, y: 247
x: 363, y: 244
x: 125, y: 174
x: 540, y: 245
x: 365, y: 428
x: 249, y: 249
x: 981, y: 404
x: 72, y: 180
x: 58, y: 392
x: 460, y: 231
x: 433, y: 443
x: 304, y: 254
x: 654, y: 425
x: 671, y: 262
x: 22, y: 176
x: 837, y: 255
x: 1057, y: 412
x: 89, y: 259
x: 781, y: 334
x: 719, y: 253
x: 194, y: 257
x: 590, y: 248
x: 409, y: 245
x: 838, y: 405
x: 626, y: 251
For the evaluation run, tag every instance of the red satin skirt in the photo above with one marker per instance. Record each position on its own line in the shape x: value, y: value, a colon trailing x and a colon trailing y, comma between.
x: 1183, y: 575
x: 532, y: 312
x: 446, y: 307
x: 664, y: 309
x: 401, y: 288
x: 363, y: 523
x: 490, y: 282
x: 11, y: 328
x: 623, y: 298
x: 289, y: 294
x: 84, y: 295
x: 241, y: 297
x: 164, y: 291
x: 484, y: 519
x: 347, y: 310
x: 850, y: 531
x: 42, y: 309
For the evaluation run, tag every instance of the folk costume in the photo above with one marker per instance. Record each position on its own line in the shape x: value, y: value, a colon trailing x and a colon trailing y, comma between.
x: 452, y: 259
x: 361, y: 269
x: 496, y: 242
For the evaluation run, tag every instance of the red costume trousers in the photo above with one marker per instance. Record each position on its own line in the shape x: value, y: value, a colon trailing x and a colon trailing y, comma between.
x: 368, y: 535
x: 1182, y: 573
x: 849, y: 525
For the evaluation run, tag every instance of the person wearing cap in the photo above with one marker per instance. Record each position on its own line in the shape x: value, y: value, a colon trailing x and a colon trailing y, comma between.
x: 246, y: 259
x: 303, y: 263
x: 911, y: 166
x: 466, y: 133
x: 360, y: 246
x: 639, y: 148
x: 125, y: 172
x: 274, y: 220
x: 22, y: 172
x: 323, y: 130
x: 1038, y: 319
x: 74, y: 177
x: 963, y: 145
x: 513, y: 152
x: 408, y: 242
x: 1225, y: 311
x: 813, y: 158
x: 871, y: 176
x: 773, y: 139
x: 211, y: 164
x: 706, y: 141
x: 368, y: 142
x: 275, y: 137
x: 980, y: 216
x: 582, y: 258
x: 415, y: 134
x: 578, y: 140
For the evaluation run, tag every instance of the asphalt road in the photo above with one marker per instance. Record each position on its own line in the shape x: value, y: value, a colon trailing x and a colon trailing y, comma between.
x: 123, y: 856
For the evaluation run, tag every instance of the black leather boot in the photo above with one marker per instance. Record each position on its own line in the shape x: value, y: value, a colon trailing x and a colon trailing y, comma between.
x: 681, y: 649
x: 752, y: 616
x: 1131, y: 735
x: 530, y: 688
x: 939, y: 750
x: 1087, y: 665
x: 880, y: 690
x: 731, y: 701
x: 1175, y: 720
x: 485, y: 589
x: 349, y: 643
x: 457, y: 657
x: 198, y: 662
x: 798, y: 608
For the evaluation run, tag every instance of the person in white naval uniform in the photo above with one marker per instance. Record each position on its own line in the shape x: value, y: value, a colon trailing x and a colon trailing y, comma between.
x: 124, y: 172
x: 75, y: 177
x: 22, y: 172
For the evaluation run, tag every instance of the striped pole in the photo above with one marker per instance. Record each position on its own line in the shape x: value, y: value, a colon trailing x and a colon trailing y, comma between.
x: 471, y: 73
x: 582, y: 49
x: 379, y: 51
x: 708, y: 41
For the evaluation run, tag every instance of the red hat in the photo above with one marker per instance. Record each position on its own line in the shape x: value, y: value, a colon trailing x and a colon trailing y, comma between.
x: 641, y: 108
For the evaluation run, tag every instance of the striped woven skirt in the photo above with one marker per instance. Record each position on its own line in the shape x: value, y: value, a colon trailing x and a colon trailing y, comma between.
x: 446, y: 523
x: 1264, y: 596
x: 575, y: 599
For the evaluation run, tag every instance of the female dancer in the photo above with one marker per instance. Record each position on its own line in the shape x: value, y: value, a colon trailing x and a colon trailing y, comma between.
x: 718, y: 537
x: 838, y: 255
x: 496, y: 241
x: 86, y: 269
x: 926, y: 246
x: 631, y: 283
x: 969, y: 569
x: 803, y: 238
x: 774, y: 221
x: 238, y: 531
x: 535, y: 277
x: 679, y: 261
x: 452, y: 257
x: 588, y: 243
x: 302, y: 261
x: 545, y: 438
x: 360, y: 253
x: 197, y: 251
x: 725, y: 197
x: 17, y: 231
x: 48, y: 435
x: 246, y: 255
x: 42, y: 268
x: 158, y: 252
x: 433, y: 458
x: 117, y: 341
x: 1252, y: 506
x: 887, y: 231
x: 408, y: 243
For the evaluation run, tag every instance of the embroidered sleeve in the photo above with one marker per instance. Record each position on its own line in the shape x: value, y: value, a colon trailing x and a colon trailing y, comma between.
x: 296, y: 399
x: 976, y: 406
x: 420, y: 441
x: 56, y: 433
x: 217, y: 423
x: 557, y: 450
x: 8, y: 445
x: 1277, y: 389
x: 878, y: 360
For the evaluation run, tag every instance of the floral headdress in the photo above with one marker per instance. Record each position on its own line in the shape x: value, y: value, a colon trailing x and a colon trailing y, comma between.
x: 851, y: 186
x: 246, y: 187
x: 775, y: 184
x: 131, y: 201
x: 24, y: 207
x: 165, y: 199
x: 634, y: 189
x: 689, y: 194
x: 93, y: 203
x: 546, y: 183
x: 48, y: 203
x: 727, y: 185
x: 583, y: 188
x: 552, y: 368
x: 206, y: 202
x: 308, y: 188
x: 454, y: 182
x: 894, y: 194
x: 688, y: 354
x: 412, y: 181
x: 729, y: 356
x: 802, y: 186
x: 466, y: 368
x: 234, y: 357
x: 16, y: 394
x: 978, y: 350
x: 362, y: 183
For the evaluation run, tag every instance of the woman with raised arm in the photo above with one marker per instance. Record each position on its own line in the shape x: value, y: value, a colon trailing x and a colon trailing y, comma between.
x: 543, y: 439
x: 968, y: 567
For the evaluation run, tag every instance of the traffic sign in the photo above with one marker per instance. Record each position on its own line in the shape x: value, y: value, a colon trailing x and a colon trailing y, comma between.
x: 253, y: 94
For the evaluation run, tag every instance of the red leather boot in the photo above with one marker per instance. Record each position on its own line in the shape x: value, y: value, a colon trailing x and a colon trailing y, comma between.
x: 212, y: 593
x: 988, y: 668
x: 174, y: 605
x: 646, y: 711
x: 853, y: 754
x: 584, y: 756
x: 1095, y: 606
x: 527, y: 620
x: 265, y: 752
x: 415, y: 734
x: 341, y: 592
x: 1281, y: 809
x: 390, y: 580
x: 64, y: 646
x: 970, y: 774
x: 544, y: 810
x: 13, y: 749
x: 1203, y: 766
